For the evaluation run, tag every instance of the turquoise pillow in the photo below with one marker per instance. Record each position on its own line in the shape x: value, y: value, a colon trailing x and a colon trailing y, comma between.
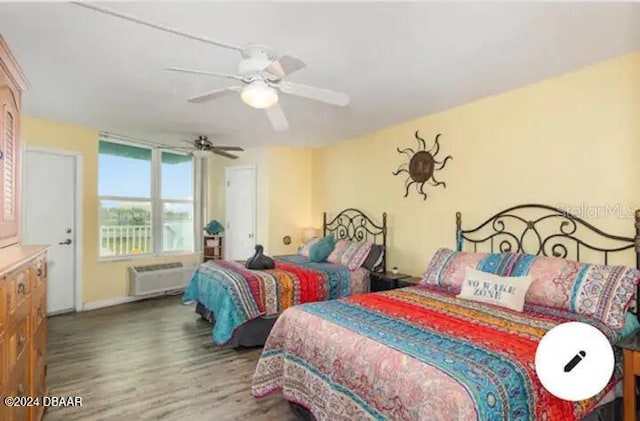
x: 631, y: 325
x: 322, y: 249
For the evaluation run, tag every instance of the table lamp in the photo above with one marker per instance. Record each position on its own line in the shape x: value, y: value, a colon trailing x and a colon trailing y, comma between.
x: 308, y: 234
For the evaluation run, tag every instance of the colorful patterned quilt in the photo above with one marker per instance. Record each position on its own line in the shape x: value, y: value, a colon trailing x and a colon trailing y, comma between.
x: 415, y: 353
x: 237, y: 295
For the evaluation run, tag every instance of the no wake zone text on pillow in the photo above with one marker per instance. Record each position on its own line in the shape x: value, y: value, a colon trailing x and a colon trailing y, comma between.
x: 490, y: 289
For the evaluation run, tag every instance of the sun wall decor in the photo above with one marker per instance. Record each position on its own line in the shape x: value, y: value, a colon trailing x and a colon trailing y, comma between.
x: 422, y: 166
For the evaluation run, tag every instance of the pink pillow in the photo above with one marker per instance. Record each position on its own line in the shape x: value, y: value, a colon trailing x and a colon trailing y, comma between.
x: 336, y: 255
x: 603, y: 292
x: 304, y: 250
x: 359, y: 256
x: 447, y: 268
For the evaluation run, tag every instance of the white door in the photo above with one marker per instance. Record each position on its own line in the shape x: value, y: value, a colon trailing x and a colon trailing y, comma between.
x: 49, y: 218
x: 240, y: 199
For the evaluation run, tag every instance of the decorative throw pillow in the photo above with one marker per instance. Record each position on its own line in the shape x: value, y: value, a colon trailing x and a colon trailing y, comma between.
x: 447, y: 268
x: 336, y: 255
x: 373, y: 261
x: 322, y: 249
x: 359, y: 255
x: 304, y: 250
x: 602, y: 292
x: 502, y: 291
x: 349, y: 252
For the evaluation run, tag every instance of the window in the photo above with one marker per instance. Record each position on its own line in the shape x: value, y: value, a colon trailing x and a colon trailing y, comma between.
x: 146, y: 200
x: 177, y: 202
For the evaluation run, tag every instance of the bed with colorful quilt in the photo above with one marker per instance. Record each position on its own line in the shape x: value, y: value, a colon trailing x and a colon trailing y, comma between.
x: 244, y: 304
x: 426, y: 353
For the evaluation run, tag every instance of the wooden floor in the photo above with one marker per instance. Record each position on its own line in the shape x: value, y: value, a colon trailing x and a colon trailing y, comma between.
x: 151, y: 360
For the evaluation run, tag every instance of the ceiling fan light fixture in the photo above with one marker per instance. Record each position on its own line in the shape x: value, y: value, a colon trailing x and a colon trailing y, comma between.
x: 199, y: 153
x: 259, y: 95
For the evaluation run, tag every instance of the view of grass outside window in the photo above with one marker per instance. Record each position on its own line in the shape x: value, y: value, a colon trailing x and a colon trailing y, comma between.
x: 127, y: 202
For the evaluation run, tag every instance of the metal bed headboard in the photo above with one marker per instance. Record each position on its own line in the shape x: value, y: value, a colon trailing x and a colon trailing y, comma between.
x: 354, y: 225
x: 508, y: 229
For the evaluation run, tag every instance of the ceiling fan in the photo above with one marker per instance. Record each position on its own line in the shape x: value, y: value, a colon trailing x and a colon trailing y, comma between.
x: 262, y: 76
x: 261, y: 73
x: 202, y: 147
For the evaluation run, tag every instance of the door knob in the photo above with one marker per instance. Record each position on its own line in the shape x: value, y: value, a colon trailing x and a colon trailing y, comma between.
x: 65, y: 242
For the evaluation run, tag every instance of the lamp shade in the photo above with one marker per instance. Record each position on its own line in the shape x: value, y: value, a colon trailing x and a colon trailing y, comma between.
x: 308, y: 234
x: 259, y: 95
x: 214, y: 227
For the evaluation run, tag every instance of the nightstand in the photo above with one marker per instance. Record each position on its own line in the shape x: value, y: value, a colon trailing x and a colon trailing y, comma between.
x: 408, y: 282
x: 382, y: 281
x: 631, y: 348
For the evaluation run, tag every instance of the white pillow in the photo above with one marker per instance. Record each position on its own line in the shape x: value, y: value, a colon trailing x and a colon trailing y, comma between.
x: 503, y: 291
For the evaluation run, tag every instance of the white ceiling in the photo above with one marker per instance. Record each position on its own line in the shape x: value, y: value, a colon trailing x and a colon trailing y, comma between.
x: 397, y: 61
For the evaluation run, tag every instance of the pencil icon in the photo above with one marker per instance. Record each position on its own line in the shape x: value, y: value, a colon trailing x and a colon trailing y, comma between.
x: 574, y: 361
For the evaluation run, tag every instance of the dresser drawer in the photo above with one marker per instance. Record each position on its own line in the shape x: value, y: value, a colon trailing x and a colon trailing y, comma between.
x: 19, y: 386
x: 39, y: 273
x: 39, y: 347
x: 17, y: 289
x: 39, y: 390
x: 39, y: 384
x: 18, y: 343
x: 38, y: 367
x: 39, y: 308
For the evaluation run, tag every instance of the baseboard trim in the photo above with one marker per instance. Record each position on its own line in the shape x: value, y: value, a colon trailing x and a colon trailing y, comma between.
x: 110, y: 302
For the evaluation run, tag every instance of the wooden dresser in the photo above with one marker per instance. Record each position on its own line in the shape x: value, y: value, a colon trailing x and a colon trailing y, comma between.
x: 23, y: 269
x: 23, y: 328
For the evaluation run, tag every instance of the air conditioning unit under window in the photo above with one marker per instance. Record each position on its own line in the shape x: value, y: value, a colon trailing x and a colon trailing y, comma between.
x: 151, y: 279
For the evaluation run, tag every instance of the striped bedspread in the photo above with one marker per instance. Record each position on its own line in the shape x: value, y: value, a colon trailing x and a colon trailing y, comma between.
x: 415, y: 353
x: 237, y: 295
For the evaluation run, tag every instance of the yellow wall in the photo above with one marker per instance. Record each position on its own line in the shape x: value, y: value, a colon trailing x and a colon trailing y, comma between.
x: 283, y: 193
x: 100, y: 280
x: 215, y: 181
x: 289, y: 197
x: 573, y: 139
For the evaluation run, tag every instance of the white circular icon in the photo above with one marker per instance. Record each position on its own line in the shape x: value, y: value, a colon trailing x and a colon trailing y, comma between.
x: 574, y: 361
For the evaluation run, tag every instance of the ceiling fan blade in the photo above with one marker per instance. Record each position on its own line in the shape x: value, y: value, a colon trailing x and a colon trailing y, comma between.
x: 285, y: 65
x: 215, y: 94
x: 228, y: 148
x: 318, y: 94
x: 203, y: 72
x: 155, y: 26
x: 277, y: 117
x: 223, y: 153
